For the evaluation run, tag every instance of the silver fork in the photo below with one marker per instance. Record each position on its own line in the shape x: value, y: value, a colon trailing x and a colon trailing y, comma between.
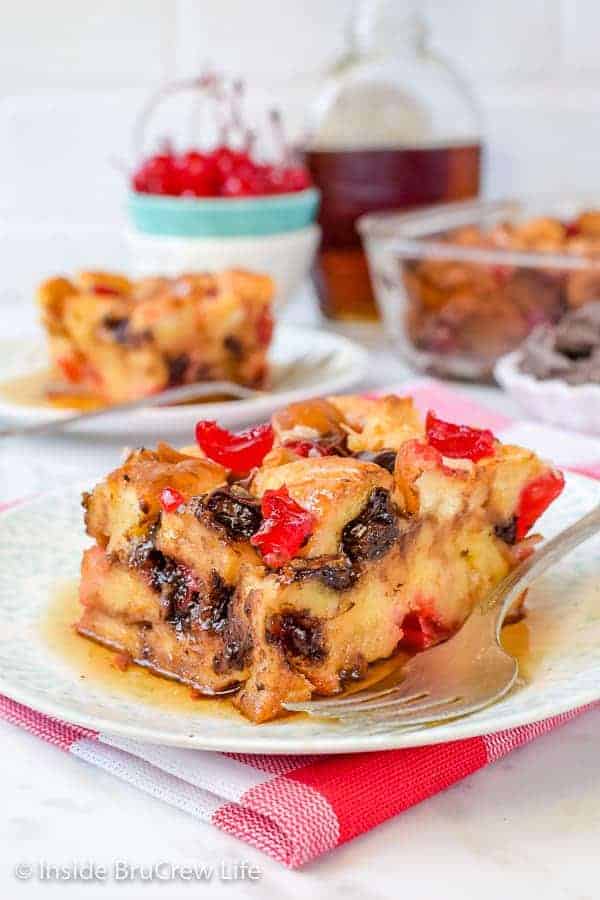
x: 465, y: 674
x: 187, y: 392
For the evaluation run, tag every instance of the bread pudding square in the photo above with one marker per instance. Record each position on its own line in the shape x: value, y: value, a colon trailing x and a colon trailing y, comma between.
x: 281, y: 563
x: 118, y: 339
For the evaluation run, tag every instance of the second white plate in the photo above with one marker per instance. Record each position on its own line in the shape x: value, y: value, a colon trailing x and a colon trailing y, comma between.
x: 333, y: 363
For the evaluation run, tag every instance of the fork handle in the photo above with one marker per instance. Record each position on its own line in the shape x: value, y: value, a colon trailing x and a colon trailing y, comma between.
x: 498, y: 602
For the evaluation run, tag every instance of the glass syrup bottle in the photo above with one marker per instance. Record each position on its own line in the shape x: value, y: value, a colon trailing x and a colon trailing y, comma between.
x: 393, y: 128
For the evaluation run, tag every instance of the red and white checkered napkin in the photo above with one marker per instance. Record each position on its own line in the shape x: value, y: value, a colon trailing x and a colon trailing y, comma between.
x: 296, y: 807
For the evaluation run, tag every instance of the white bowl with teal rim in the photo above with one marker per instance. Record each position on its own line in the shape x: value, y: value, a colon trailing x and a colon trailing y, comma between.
x: 195, y: 217
x: 287, y: 257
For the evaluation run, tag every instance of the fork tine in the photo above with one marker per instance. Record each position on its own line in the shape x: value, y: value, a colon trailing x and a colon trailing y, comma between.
x: 400, y: 709
x: 400, y: 706
x: 406, y: 683
x: 353, y: 701
x: 448, y: 709
x: 403, y: 696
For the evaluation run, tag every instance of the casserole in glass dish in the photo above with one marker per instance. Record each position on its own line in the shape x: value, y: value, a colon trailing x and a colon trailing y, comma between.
x: 460, y: 285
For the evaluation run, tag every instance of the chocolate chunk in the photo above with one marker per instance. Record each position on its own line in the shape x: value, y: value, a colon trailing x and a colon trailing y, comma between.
x: 298, y: 633
x: 235, y: 511
x: 569, y: 351
x: 335, y: 571
x: 507, y: 531
x: 232, y: 657
x: 178, y: 366
x: 384, y: 458
x: 373, y: 532
x: 236, y: 651
x: 234, y: 345
x: 118, y: 329
x: 175, y: 583
x: 213, y: 612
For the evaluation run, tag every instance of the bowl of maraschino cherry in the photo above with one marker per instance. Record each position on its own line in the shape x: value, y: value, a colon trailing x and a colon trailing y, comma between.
x: 237, y: 198
x: 229, y: 189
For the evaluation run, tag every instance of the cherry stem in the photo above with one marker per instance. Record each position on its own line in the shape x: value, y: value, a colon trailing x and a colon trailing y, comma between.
x: 249, y: 141
x: 207, y: 83
x: 279, y: 136
x: 237, y: 97
x: 228, y: 105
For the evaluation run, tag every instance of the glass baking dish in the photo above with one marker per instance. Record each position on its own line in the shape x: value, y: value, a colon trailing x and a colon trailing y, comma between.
x: 452, y: 306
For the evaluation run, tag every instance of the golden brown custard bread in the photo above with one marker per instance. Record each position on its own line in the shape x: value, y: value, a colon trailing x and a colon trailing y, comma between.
x: 119, y: 339
x: 278, y: 564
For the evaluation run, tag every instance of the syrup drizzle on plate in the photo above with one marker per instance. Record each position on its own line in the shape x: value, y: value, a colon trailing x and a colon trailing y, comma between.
x: 100, y: 664
x: 33, y: 390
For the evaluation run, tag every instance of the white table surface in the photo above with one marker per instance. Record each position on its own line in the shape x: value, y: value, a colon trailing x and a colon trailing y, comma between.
x: 528, y: 825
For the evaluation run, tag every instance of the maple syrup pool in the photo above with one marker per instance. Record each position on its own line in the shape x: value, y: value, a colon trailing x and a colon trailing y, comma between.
x: 32, y: 390
x: 99, y: 665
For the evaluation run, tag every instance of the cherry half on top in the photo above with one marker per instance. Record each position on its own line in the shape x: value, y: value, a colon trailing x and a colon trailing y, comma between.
x: 238, y: 452
x: 458, y: 441
x: 222, y: 172
x: 285, y: 528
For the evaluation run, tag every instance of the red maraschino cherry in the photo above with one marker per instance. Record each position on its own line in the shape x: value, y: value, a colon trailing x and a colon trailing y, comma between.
x: 459, y: 441
x: 535, y: 498
x: 170, y: 499
x: 285, y: 529
x: 238, y: 452
x: 222, y: 172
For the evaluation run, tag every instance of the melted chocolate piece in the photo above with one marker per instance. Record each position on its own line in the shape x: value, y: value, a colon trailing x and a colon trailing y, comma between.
x: 373, y: 532
x: 578, y: 335
x: 569, y: 351
x: 234, y: 510
x: 174, y: 583
x: 187, y: 605
x: 234, y: 345
x: 236, y: 650
x: 298, y: 633
x: 335, y: 572
x: 178, y: 367
x: 179, y: 594
x: 214, y: 611
x: 118, y: 329
x: 232, y: 657
x: 384, y: 458
x: 507, y: 531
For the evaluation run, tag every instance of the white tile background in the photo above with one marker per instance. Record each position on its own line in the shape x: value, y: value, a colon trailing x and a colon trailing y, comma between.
x: 74, y: 72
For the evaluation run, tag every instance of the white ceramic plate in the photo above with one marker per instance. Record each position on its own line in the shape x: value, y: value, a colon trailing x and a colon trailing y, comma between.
x: 332, y: 364
x: 43, y: 541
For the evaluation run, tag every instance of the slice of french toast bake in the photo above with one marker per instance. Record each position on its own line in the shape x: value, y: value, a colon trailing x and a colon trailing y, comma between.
x: 282, y: 561
x: 120, y: 339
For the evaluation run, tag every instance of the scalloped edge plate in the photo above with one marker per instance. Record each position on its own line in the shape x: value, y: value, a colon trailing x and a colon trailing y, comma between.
x: 339, y: 363
x: 563, y: 629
